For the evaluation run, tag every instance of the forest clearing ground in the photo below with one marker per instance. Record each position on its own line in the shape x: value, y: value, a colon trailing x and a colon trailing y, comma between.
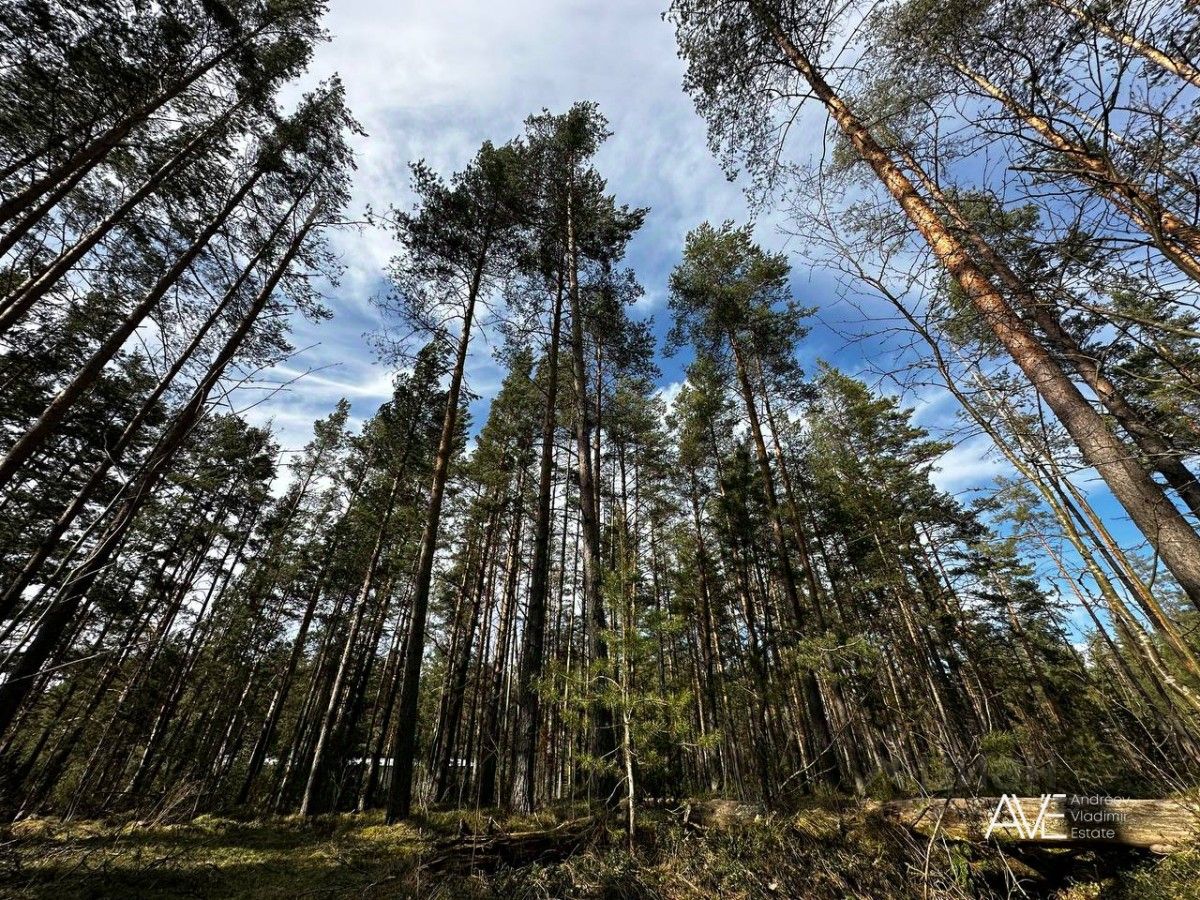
x: 823, y: 850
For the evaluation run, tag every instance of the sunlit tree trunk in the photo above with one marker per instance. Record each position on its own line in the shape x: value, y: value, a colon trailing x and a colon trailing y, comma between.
x: 1149, y: 507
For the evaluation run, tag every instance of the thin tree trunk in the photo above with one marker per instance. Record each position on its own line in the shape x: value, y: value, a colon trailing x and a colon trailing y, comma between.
x: 26, y: 295
x: 524, y: 780
x: 820, y: 743
x: 113, y: 457
x: 87, y: 156
x: 459, y: 669
x: 63, y: 610
x: 29, y: 221
x: 1066, y: 513
x: 399, y: 805
x: 1179, y: 241
x: 53, y: 414
x: 316, y: 772
x: 490, y: 737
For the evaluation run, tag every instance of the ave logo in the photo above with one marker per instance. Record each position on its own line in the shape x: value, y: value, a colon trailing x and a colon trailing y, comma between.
x: 1018, y: 821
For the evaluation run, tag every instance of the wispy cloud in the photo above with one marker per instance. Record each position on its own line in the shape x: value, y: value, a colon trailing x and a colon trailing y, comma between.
x: 432, y: 81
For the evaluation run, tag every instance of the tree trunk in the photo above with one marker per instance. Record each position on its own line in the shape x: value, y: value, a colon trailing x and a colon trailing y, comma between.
x: 1179, y: 67
x: 490, y: 737
x: 29, y: 221
x: 37, y: 434
x: 524, y: 780
x: 399, y: 805
x: 1162, y: 458
x: 1066, y: 513
x: 1149, y: 507
x: 87, y: 156
x: 460, y: 664
x: 65, y: 606
x: 26, y: 295
x: 1178, y: 240
x: 1157, y: 825
x: 822, y: 752
x: 113, y: 457
x: 604, y: 739
x: 310, y: 802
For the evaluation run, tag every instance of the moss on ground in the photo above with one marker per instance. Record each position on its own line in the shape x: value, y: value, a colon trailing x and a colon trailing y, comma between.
x: 207, y: 857
x: 826, y: 850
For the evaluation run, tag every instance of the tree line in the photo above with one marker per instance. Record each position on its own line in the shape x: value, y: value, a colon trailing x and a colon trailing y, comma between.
x: 755, y: 589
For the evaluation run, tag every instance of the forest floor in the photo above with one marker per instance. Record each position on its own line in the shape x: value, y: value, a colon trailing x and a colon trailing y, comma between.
x: 826, y: 850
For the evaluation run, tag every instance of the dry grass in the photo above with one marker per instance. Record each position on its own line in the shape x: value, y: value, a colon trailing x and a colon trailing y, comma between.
x: 827, y: 850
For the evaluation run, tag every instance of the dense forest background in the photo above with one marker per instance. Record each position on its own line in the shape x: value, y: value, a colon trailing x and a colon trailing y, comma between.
x: 750, y: 588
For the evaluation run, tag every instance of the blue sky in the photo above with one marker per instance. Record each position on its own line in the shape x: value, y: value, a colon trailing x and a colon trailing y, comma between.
x: 433, y: 81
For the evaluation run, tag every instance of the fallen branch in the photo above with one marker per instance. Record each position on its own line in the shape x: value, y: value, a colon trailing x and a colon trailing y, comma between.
x: 472, y: 852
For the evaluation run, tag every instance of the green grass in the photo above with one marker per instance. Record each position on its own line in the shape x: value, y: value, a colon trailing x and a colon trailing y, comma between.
x: 826, y: 850
x: 209, y: 857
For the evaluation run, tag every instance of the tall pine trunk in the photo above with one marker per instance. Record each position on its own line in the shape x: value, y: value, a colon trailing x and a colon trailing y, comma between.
x: 1161, y: 457
x: 1151, y: 510
x: 1178, y: 240
x: 85, y: 378
x: 404, y: 745
x: 1174, y: 65
x: 312, y: 800
x: 91, y: 153
x: 62, y: 611
x: 524, y: 780
x: 604, y: 738
x: 24, y: 296
x: 822, y: 753
x: 116, y: 453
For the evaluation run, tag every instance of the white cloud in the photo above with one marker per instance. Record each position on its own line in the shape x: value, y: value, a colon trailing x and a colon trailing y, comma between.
x: 433, y: 81
x: 968, y: 465
x: 669, y: 393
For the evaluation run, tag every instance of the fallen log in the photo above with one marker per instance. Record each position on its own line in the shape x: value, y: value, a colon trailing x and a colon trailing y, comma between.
x: 721, y: 813
x: 1160, y: 826
x: 717, y: 813
x: 471, y: 852
x: 713, y: 812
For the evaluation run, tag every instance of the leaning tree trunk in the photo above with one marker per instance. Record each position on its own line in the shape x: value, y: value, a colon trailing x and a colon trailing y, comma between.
x: 113, y: 457
x: 1180, y: 67
x: 1178, y: 240
x: 29, y: 221
x: 316, y: 771
x: 53, y: 414
x: 63, y: 609
x: 89, y: 155
x: 258, y: 753
x: 1147, y: 504
x: 1163, y: 458
x: 27, y: 294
